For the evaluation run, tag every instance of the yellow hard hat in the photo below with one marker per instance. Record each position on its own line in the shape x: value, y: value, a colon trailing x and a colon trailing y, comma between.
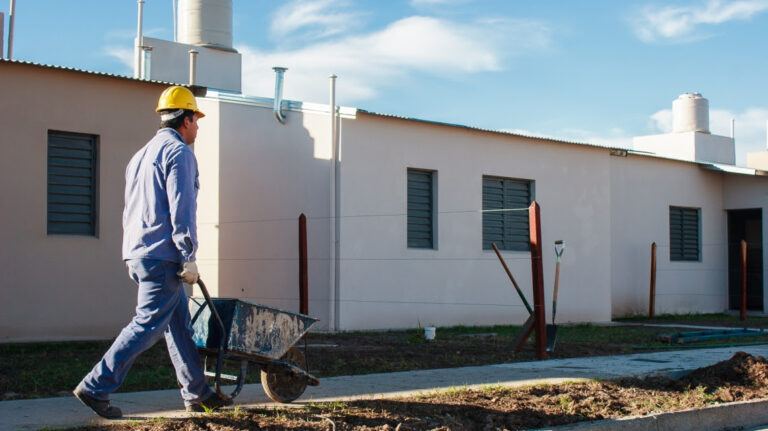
x: 178, y: 97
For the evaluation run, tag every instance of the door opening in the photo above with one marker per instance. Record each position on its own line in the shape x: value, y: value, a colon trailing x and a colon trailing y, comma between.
x: 745, y: 225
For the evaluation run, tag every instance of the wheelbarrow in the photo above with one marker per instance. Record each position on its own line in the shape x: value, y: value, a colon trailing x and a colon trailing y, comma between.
x: 236, y: 330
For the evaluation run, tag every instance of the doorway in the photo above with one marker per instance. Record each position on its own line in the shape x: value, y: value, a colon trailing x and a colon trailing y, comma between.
x: 745, y: 225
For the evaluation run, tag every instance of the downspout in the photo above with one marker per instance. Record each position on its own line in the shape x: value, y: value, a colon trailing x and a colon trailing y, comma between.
x: 278, y: 108
x: 139, y: 42
x: 11, y: 15
x: 334, y: 310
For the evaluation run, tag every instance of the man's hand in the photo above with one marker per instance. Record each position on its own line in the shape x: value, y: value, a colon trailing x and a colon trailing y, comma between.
x: 188, y: 273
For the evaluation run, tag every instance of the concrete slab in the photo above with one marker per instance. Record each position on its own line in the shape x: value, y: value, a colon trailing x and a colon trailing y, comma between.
x: 67, y: 411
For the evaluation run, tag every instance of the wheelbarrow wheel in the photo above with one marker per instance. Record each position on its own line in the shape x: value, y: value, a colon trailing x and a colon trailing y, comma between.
x: 282, y: 385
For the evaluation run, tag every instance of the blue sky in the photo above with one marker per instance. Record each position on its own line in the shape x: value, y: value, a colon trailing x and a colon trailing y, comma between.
x: 599, y: 71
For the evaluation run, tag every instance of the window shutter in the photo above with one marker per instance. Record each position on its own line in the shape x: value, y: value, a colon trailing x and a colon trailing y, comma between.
x: 684, y: 234
x: 71, y: 183
x: 508, y: 229
x: 420, y: 209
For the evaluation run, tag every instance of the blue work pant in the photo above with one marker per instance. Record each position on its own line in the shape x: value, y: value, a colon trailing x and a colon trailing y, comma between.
x: 161, y: 309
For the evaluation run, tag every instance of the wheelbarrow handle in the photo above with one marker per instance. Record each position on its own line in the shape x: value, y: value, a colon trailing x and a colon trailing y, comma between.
x: 222, y: 340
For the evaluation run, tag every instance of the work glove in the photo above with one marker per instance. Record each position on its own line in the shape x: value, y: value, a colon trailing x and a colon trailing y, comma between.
x: 188, y: 273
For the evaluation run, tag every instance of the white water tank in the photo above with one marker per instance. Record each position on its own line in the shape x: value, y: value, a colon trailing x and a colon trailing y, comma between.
x: 206, y: 23
x: 690, y: 113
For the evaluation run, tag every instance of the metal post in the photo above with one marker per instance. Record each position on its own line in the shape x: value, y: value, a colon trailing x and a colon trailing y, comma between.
x: 743, y: 313
x: 11, y: 16
x: 652, y: 299
x: 537, y: 276
x: 303, y: 276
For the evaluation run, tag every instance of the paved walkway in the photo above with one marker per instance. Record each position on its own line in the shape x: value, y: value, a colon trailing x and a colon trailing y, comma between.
x: 67, y: 411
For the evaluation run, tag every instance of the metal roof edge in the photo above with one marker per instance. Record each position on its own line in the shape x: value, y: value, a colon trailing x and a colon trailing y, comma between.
x: 89, y: 72
x: 500, y: 132
x: 268, y: 103
x: 732, y: 169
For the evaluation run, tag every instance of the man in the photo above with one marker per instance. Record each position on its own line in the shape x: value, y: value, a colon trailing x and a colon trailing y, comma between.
x: 159, y: 244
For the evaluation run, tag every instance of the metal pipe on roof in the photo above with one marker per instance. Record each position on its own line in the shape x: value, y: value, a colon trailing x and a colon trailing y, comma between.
x: 733, y: 128
x: 278, y: 108
x: 192, y: 67
x: 11, y: 16
x: 146, y: 62
x: 175, y: 17
x: 139, y: 42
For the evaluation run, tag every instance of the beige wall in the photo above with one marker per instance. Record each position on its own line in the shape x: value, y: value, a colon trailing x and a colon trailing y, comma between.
x: 255, y: 183
x: 384, y: 284
x: 642, y: 190
x: 58, y: 286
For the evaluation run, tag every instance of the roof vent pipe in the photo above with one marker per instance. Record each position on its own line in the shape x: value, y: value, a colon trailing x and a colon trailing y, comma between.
x: 146, y: 62
x: 279, y: 72
x: 139, y: 42
x: 11, y: 15
x: 192, y: 67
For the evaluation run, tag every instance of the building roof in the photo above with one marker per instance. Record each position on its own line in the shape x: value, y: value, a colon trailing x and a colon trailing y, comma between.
x: 90, y: 72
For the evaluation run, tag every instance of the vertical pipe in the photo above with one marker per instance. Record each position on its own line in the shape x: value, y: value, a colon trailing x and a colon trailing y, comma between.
x: 733, y: 128
x: 333, y: 320
x: 11, y: 16
x: 743, y: 312
x: 303, y: 276
x: 537, y: 276
x: 278, y: 101
x: 192, y: 67
x: 175, y: 18
x: 652, y: 298
x: 146, y: 62
x: 139, y: 42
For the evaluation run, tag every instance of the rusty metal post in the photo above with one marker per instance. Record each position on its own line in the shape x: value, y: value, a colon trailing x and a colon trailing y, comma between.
x: 537, y: 276
x: 652, y: 299
x: 303, y: 277
x: 743, y: 313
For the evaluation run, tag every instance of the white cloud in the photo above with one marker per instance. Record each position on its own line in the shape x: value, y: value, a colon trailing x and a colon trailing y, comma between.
x: 313, y: 19
x: 369, y: 62
x: 122, y: 54
x: 683, y: 23
x: 750, y: 128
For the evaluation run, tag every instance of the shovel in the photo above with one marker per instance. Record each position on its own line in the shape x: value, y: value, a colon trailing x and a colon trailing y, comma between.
x: 552, y: 329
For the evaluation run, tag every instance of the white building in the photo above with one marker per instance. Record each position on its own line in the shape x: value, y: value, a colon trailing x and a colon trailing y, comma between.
x: 375, y: 260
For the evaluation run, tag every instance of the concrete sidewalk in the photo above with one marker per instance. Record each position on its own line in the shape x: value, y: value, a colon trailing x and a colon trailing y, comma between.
x: 67, y: 411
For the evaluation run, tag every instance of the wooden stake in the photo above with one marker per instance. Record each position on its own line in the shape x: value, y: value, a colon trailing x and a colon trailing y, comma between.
x: 652, y: 299
x: 537, y: 275
x: 303, y: 276
x: 743, y: 313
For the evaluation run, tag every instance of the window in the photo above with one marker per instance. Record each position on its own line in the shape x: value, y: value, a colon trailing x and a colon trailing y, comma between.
x: 421, y: 209
x: 504, y: 223
x: 72, y: 183
x: 684, y: 233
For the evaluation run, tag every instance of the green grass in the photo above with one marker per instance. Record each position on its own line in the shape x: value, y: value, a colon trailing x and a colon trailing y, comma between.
x: 37, y: 370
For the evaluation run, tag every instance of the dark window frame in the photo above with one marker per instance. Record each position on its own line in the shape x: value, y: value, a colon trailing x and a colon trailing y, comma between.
x: 684, y: 234
x: 417, y: 228
x: 510, y: 229
x: 72, y: 181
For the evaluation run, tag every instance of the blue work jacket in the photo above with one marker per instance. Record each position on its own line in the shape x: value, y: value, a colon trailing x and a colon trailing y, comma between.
x: 161, y: 184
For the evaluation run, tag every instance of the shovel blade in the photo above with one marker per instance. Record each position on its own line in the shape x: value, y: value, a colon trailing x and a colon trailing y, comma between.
x: 551, y: 337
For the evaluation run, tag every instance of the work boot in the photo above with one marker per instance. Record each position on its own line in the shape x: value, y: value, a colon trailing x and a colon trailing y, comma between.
x: 214, y: 402
x: 102, y: 408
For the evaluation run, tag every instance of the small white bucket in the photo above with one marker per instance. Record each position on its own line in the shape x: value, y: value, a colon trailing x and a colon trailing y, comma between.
x: 429, y: 333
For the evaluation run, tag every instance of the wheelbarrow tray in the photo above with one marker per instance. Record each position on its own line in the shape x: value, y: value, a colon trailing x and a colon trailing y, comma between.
x: 254, y: 331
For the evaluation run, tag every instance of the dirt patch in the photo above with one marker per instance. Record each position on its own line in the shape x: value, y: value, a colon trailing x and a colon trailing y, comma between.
x: 743, y: 377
